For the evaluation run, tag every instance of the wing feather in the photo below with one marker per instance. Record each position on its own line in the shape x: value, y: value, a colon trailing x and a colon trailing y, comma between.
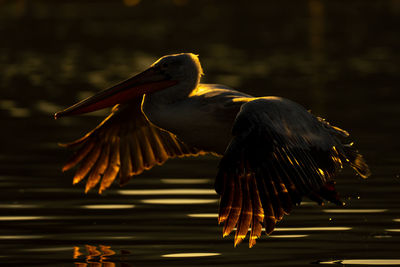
x: 123, y: 145
x: 157, y: 146
x: 79, y: 155
x: 269, y: 215
x: 149, y: 159
x: 282, y: 192
x: 227, y: 196
x: 287, y: 179
x: 88, y: 162
x: 98, y: 169
x: 236, y: 208
x: 113, y: 167
x: 258, y: 212
x: 136, y: 155
x: 288, y: 153
x: 246, y: 213
x: 126, y: 162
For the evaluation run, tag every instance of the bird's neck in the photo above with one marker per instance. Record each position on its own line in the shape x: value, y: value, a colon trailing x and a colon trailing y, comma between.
x: 173, y: 94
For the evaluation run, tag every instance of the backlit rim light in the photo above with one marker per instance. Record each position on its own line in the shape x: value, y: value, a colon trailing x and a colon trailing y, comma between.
x: 190, y: 255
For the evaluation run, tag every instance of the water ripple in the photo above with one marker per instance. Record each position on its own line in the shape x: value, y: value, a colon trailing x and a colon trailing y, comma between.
x: 186, y: 181
x: 108, y: 206
x: 188, y: 191
x: 354, y: 210
x: 178, y: 201
x: 190, y: 255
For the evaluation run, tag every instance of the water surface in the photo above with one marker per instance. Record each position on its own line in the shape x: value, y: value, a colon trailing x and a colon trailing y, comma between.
x: 338, y: 59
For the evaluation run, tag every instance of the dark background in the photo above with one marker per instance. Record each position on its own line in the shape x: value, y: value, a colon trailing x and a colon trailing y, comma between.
x: 338, y: 58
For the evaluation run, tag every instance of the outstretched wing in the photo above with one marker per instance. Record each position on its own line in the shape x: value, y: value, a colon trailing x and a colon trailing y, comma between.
x: 123, y: 145
x: 278, y: 154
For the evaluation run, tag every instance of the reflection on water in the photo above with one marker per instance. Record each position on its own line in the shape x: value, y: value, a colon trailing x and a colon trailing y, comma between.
x: 179, y: 201
x: 354, y: 210
x: 288, y: 236
x: 282, y: 229
x: 392, y: 230
x: 175, y: 191
x: 277, y: 229
x: 48, y: 249
x: 108, y: 206
x: 293, y: 229
x: 203, y: 215
x: 186, y: 181
x: 21, y: 218
x: 190, y: 255
x: 17, y: 206
x: 11, y: 237
x: 95, y: 256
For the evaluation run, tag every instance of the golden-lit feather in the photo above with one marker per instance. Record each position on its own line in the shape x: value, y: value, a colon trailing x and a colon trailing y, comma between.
x: 124, y: 147
x: 147, y: 151
x: 236, y: 208
x: 160, y: 153
x: 98, y: 169
x: 87, y: 164
x: 227, y: 196
x: 136, y: 155
x: 126, y: 162
x: 258, y: 212
x: 246, y: 213
x: 113, y: 166
x: 79, y: 155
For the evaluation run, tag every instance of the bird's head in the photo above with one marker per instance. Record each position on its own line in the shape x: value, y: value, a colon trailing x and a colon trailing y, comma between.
x: 180, y: 67
x: 167, y: 72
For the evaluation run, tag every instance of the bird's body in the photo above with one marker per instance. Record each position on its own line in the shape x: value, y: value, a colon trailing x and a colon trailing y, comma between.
x: 203, y: 120
x: 274, y: 151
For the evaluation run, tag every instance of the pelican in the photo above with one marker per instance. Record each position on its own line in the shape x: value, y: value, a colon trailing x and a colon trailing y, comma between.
x: 274, y: 152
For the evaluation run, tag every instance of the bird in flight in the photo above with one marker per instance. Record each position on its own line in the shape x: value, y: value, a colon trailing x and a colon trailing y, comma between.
x: 274, y: 152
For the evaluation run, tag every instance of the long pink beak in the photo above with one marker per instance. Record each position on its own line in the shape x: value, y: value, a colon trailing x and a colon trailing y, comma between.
x: 150, y: 80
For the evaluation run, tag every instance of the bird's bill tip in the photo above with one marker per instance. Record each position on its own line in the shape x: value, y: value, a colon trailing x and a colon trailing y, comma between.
x: 56, y: 115
x: 149, y: 81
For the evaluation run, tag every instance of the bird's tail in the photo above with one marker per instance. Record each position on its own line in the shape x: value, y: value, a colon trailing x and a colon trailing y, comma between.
x: 356, y: 160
